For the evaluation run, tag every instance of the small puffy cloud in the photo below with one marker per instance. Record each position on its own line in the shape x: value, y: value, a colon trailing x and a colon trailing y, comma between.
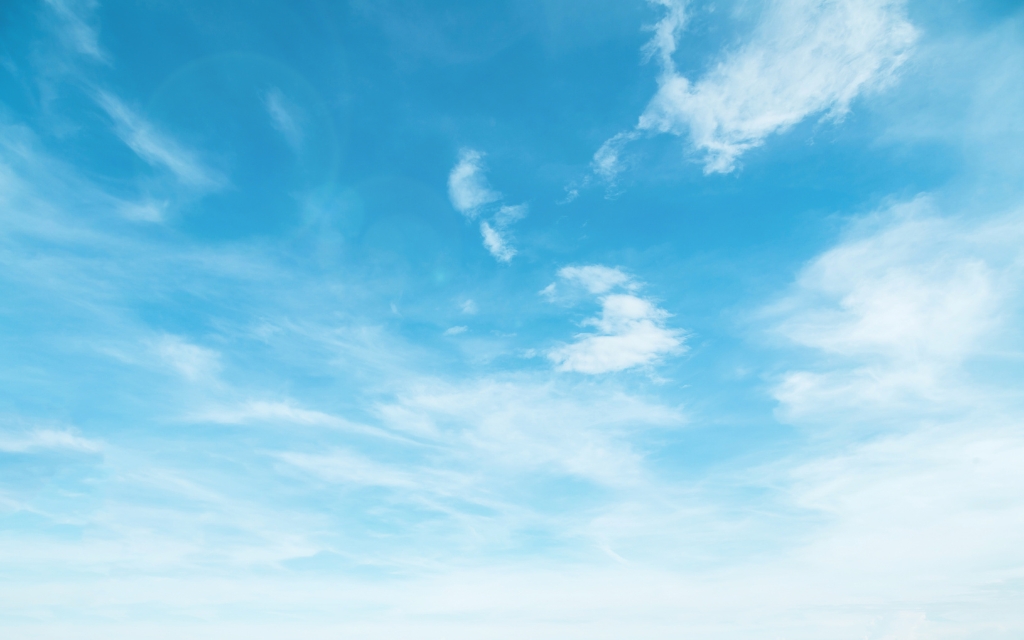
x: 469, y: 307
x: 454, y: 331
x: 496, y: 243
x: 467, y: 186
x: 156, y: 148
x: 629, y: 332
x: 805, y: 57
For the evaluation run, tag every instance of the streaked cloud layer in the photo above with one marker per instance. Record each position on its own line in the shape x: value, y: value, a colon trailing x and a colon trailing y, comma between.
x: 306, y: 340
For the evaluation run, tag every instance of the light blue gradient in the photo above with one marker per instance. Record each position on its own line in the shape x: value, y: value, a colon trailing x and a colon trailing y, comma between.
x: 420, y: 319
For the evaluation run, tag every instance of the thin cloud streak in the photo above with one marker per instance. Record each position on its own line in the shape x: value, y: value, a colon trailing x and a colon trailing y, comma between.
x: 156, y: 148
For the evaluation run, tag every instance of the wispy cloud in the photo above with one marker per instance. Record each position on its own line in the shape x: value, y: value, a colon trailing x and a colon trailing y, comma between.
x: 192, y: 362
x: 906, y: 299
x: 629, y: 332
x: 145, y: 211
x: 804, y: 57
x: 496, y: 244
x: 156, y: 148
x: 504, y: 426
x: 74, y: 28
x: 285, y: 118
x: 46, y: 439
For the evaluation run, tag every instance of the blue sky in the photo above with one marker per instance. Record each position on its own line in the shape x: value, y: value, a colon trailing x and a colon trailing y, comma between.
x: 531, y: 318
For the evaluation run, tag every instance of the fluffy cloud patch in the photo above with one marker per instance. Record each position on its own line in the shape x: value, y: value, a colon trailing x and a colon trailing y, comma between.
x: 468, y: 188
x: 805, y: 57
x: 629, y: 332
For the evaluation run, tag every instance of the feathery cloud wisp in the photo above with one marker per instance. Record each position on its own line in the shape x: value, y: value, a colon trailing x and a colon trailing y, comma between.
x: 496, y: 244
x: 156, y: 148
x: 284, y: 117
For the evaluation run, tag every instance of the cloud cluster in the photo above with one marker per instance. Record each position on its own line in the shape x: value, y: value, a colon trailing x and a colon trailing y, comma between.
x: 805, y: 57
x: 470, y: 193
x: 629, y: 332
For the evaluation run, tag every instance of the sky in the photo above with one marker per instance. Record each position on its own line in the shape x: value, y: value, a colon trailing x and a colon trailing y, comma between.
x: 552, y: 319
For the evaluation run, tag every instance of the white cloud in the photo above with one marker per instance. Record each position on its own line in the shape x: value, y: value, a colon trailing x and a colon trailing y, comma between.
x: 630, y: 331
x: 469, y: 192
x: 469, y: 307
x: 493, y: 428
x: 595, y: 278
x: 805, y: 57
x: 46, y: 439
x: 905, y: 300
x: 496, y: 244
x: 467, y: 186
x: 607, y: 163
x: 156, y: 148
x: 454, y: 331
x: 508, y: 214
x: 284, y: 117
x: 192, y: 362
